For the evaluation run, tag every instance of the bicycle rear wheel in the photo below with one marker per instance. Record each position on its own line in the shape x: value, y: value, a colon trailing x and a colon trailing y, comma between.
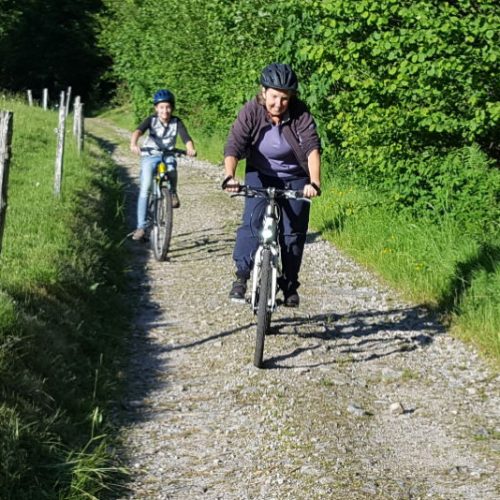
x: 162, y: 224
x: 263, y: 306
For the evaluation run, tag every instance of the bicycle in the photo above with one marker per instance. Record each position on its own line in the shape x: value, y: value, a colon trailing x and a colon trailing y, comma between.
x: 160, y: 215
x: 267, y: 261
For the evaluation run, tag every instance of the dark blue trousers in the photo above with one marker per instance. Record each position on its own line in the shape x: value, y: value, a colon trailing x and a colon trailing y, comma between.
x: 293, y: 228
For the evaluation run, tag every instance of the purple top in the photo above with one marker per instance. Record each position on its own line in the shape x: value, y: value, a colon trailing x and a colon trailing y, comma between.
x: 273, y: 154
x: 298, y: 130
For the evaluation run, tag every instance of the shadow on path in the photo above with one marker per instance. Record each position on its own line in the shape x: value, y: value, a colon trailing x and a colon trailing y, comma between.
x: 353, y: 335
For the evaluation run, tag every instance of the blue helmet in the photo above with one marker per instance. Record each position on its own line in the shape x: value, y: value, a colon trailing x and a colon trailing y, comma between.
x: 164, y: 95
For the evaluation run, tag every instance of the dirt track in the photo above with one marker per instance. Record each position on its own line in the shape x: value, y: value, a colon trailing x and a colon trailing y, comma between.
x: 363, y: 395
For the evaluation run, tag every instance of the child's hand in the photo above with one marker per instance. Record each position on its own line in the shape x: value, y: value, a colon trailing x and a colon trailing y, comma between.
x: 191, y: 152
x: 135, y: 149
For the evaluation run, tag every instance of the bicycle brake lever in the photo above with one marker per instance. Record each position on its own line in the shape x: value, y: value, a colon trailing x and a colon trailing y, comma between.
x: 300, y: 197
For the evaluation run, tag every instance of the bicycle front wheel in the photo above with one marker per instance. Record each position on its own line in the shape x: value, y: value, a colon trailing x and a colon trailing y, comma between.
x: 162, y: 224
x: 263, y: 306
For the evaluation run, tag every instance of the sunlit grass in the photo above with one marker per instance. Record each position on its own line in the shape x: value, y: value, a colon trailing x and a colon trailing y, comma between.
x: 480, y: 312
x: 122, y: 116
x: 436, y: 264
x: 57, y: 328
x: 36, y: 221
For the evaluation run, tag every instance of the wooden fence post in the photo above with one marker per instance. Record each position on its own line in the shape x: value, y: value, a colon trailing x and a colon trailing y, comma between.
x: 61, y: 100
x: 81, y: 129
x: 60, y: 148
x: 76, y: 112
x: 30, y: 98
x: 45, y: 99
x: 6, y: 119
x: 68, y: 101
x: 78, y: 123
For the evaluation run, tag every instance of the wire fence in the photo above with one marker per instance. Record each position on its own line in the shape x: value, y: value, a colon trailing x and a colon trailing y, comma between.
x: 6, y: 134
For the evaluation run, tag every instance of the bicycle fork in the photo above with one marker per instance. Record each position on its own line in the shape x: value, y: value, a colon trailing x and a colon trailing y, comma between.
x: 271, y: 305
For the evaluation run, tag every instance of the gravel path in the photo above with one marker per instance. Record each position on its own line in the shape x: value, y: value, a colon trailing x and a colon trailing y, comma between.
x: 363, y: 395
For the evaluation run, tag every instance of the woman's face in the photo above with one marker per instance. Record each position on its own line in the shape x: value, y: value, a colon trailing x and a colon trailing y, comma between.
x: 276, y: 101
x: 164, y: 111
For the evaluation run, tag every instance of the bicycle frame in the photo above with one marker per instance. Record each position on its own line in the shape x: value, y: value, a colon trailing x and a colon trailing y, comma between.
x: 160, y: 208
x: 160, y: 178
x: 267, y: 260
x: 268, y: 238
x: 161, y: 174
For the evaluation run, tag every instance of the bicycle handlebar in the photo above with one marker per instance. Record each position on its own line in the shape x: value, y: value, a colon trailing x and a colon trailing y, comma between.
x: 260, y: 192
x: 168, y: 152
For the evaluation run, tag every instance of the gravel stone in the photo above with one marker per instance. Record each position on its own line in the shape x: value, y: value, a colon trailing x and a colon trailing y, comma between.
x: 199, y: 421
x: 396, y: 409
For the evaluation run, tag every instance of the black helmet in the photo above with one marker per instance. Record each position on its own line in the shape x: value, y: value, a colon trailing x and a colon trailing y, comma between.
x: 164, y: 95
x: 279, y: 76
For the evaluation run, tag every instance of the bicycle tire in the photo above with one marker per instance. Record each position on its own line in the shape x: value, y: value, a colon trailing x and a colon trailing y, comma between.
x: 263, y: 311
x: 162, y: 224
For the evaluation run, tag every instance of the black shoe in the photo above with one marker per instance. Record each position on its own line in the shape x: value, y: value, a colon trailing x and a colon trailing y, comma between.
x: 289, y: 289
x: 238, y: 290
x: 292, y: 299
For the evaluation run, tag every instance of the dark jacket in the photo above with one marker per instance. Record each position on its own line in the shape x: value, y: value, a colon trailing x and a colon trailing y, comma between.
x: 299, y: 129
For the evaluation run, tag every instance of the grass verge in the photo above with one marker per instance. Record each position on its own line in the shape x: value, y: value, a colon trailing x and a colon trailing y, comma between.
x: 63, y: 316
x: 122, y: 116
x: 435, y: 264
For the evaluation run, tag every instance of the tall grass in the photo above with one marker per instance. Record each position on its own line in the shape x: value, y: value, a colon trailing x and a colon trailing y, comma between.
x: 62, y: 315
x: 435, y: 263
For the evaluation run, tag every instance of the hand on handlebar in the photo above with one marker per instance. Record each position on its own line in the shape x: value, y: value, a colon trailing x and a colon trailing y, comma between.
x: 191, y: 152
x: 311, y: 190
x: 231, y: 185
x: 135, y: 149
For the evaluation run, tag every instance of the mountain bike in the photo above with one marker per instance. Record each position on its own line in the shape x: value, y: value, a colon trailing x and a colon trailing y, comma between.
x: 160, y: 216
x: 267, y: 261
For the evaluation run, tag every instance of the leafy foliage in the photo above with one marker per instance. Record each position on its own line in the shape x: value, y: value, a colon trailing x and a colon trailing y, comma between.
x: 406, y: 94
x: 201, y: 63
x: 403, y: 86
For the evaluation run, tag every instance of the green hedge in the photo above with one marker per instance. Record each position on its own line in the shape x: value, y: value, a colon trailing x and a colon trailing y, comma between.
x: 406, y: 94
x: 409, y: 92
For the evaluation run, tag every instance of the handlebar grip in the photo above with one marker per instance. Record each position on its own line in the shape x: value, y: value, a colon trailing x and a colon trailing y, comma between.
x: 225, y: 181
x: 241, y: 187
x: 318, y: 189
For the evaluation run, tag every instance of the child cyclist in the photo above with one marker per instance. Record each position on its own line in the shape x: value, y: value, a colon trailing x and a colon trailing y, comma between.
x: 163, y: 129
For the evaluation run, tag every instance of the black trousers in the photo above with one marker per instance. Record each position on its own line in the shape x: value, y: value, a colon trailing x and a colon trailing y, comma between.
x: 293, y: 224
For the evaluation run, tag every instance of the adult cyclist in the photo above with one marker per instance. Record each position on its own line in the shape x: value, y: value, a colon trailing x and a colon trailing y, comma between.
x: 277, y: 135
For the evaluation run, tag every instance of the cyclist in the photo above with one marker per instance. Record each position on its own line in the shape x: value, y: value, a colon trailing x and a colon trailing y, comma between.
x: 277, y: 135
x: 162, y: 128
